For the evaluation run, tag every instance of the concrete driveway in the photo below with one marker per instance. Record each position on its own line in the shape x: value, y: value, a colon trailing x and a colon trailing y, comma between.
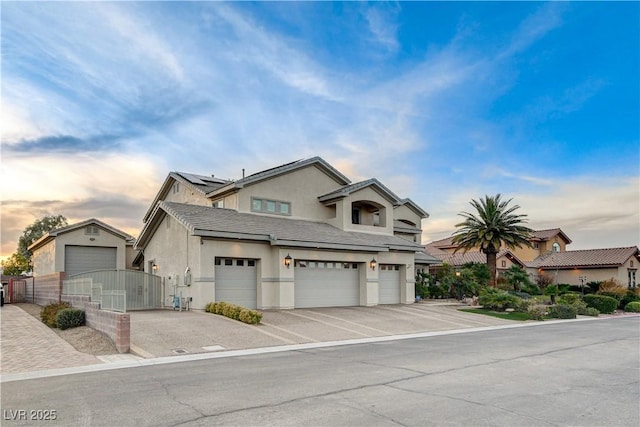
x: 166, y: 332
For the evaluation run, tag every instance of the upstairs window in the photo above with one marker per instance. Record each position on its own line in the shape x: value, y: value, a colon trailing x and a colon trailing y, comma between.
x: 555, y: 247
x: 274, y: 207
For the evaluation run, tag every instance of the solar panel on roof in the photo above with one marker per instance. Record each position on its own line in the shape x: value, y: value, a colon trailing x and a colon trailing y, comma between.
x: 194, y: 179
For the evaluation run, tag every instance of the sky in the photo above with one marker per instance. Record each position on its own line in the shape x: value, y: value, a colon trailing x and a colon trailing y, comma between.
x: 443, y: 102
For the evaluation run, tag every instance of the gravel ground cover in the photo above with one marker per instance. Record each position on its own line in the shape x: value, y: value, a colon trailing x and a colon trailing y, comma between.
x: 83, y: 338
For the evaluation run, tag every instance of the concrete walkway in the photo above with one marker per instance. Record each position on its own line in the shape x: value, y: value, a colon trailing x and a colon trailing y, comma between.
x: 27, y: 344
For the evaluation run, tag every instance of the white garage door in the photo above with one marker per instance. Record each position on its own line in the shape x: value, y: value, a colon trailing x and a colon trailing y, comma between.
x: 236, y: 281
x: 326, y: 284
x: 80, y: 259
x: 389, y: 284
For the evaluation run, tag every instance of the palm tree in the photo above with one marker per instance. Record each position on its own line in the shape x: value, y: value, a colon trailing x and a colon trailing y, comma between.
x: 493, y: 226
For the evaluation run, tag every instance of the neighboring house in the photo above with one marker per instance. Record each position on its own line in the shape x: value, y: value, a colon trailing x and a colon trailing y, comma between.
x: 583, y: 266
x: 504, y: 259
x: 297, y: 235
x: 86, y: 246
x: 543, y: 242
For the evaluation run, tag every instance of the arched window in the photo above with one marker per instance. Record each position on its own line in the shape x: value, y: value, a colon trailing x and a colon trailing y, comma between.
x: 556, y: 247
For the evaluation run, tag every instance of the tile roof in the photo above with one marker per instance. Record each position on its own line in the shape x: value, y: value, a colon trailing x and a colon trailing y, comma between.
x: 403, y: 227
x: 608, y: 257
x: 71, y: 227
x: 544, y: 235
x: 227, y: 223
x: 461, y: 258
x: 425, y: 258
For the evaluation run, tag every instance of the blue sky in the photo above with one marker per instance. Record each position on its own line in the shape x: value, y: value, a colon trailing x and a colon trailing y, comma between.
x: 443, y: 102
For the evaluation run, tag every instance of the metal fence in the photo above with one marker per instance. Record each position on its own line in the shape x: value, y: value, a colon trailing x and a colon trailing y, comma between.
x: 118, y: 290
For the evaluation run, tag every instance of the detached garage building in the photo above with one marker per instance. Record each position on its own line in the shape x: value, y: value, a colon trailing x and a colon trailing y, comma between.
x: 86, y: 246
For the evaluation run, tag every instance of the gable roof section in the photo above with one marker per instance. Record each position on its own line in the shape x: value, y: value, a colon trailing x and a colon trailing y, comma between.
x: 46, y: 238
x: 459, y: 259
x: 199, y: 183
x: 414, y: 207
x: 588, y: 258
x: 280, y: 170
x: 353, y: 188
x: 229, y: 224
x: 545, y: 235
x: 425, y: 258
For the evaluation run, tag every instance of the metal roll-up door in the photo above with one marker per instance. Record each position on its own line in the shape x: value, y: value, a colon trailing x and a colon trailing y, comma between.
x: 237, y: 281
x: 80, y: 259
x: 326, y: 284
x: 389, y: 284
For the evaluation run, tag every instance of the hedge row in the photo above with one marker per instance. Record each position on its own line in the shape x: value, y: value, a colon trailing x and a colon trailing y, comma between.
x: 235, y: 312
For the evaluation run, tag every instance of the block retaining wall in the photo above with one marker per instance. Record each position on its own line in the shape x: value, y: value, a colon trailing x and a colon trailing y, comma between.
x: 117, y: 326
x: 45, y: 290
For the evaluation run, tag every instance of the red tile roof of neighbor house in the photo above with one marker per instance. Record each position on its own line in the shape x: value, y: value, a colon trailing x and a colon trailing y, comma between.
x: 536, y: 236
x: 461, y: 258
x: 609, y: 257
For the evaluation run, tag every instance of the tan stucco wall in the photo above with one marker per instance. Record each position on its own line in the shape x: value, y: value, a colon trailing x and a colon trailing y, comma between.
x: 130, y: 256
x: 301, y: 188
x: 44, y: 259
x: 343, y: 212
x: 186, y: 195
x: 403, y: 212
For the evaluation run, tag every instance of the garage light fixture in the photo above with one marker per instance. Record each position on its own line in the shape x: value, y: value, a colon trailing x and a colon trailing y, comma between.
x: 287, y: 261
x: 155, y: 267
x: 373, y: 263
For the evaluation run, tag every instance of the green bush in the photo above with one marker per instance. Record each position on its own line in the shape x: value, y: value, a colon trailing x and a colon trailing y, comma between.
x: 70, y: 318
x: 49, y: 313
x: 570, y: 298
x: 562, y: 311
x: 603, y: 303
x: 630, y: 296
x: 588, y: 311
x: 496, y: 299
x: 531, y: 289
x: 235, y: 312
x: 632, y: 307
x: 615, y: 295
x: 537, y: 311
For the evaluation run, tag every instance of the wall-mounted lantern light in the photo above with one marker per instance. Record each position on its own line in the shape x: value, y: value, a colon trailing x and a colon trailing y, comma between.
x: 155, y: 267
x: 457, y: 274
x: 373, y: 263
x: 287, y: 261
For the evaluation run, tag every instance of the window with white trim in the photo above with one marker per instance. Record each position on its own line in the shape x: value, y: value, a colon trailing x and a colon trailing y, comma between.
x: 92, y: 230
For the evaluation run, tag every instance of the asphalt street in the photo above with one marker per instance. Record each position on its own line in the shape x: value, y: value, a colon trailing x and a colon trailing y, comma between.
x: 574, y: 373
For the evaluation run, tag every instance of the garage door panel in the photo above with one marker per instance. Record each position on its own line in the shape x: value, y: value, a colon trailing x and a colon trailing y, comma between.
x: 81, y: 259
x: 237, y: 284
x: 319, y: 286
x: 389, y: 284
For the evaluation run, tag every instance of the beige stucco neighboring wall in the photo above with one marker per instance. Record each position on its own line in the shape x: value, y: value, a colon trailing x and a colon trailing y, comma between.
x: 288, y: 188
x: 130, y: 257
x: 44, y: 259
x: 572, y: 276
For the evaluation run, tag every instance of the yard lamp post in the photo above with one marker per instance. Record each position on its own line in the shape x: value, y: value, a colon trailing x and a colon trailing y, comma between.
x: 582, y: 280
x: 458, y: 286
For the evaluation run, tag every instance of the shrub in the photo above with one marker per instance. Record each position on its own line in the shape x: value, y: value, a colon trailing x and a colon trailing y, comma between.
x: 49, y: 313
x: 496, y: 299
x: 632, y: 307
x: 562, y: 311
x: 603, y: 303
x: 569, y: 298
x: 594, y: 286
x: 628, y: 297
x: 520, y: 294
x: 235, y: 312
x: 537, y: 311
x: 531, y: 289
x: 617, y: 296
x: 589, y: 311
x: 70, y: 318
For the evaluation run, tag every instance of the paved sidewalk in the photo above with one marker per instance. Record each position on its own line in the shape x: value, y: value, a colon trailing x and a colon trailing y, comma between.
x: 29, y: 345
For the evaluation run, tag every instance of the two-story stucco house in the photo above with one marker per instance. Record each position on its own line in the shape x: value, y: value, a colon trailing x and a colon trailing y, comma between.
x: 297, y: 235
